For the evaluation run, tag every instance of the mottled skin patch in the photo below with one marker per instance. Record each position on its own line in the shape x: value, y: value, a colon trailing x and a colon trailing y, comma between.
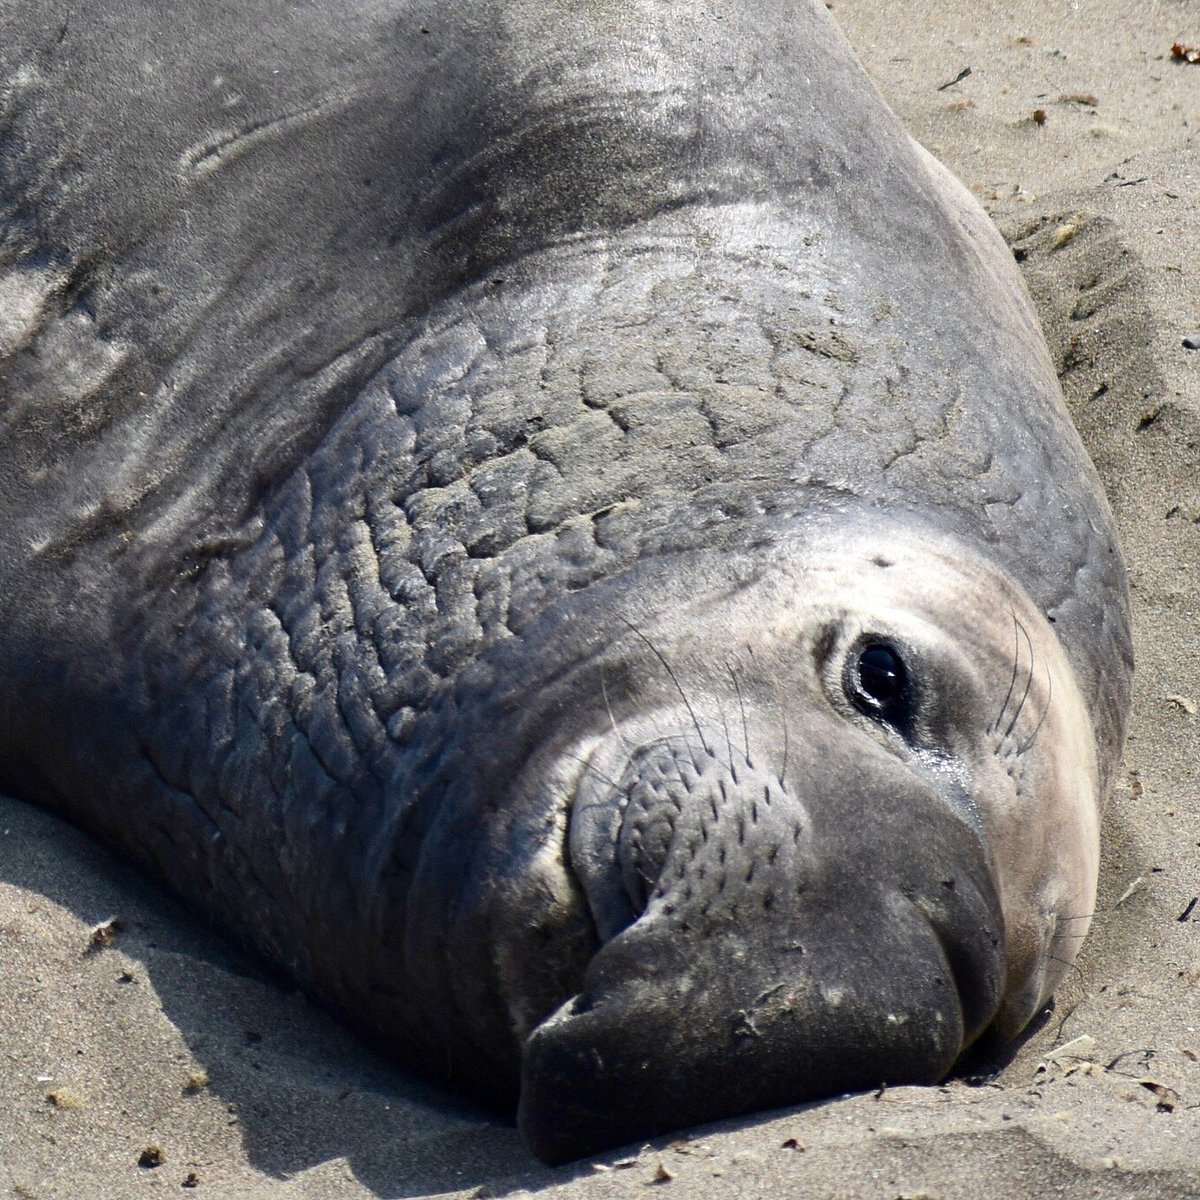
x: 427, y: 430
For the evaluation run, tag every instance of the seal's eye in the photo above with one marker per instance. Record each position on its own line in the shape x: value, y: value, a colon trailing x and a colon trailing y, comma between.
x: 881, y: 675
x: 879, y: 686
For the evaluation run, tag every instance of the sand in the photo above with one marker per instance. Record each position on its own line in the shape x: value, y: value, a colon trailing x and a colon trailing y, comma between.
x: 168, y: 1046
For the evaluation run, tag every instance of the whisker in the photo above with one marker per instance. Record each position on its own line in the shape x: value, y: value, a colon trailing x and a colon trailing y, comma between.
x: 612, y: 720
x: 728, y: 739
x: 1060, y: 919
x: 612, y: 783
x: 1069, y: 965
x: 1101, y: 914
x: 1028, y: 683
x: 1059, y: 935
x: 1045, y: 712
x: 1012, y: 683
x: 674, y: 679
x: 742, y: 706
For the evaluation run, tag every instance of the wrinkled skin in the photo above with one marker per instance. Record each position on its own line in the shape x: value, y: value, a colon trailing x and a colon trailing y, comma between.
x: 455, y: 460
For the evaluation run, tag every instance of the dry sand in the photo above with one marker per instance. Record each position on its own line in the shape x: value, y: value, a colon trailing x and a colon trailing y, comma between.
x: 170, y: 1038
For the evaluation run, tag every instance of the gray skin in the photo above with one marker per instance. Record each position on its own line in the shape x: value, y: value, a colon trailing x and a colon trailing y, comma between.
x: 453, y: 458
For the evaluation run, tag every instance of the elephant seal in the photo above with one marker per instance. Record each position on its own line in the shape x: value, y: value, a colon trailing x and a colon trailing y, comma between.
x: 556, y: 523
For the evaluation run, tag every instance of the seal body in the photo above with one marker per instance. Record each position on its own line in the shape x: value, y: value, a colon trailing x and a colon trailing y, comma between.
x: 557, y: 524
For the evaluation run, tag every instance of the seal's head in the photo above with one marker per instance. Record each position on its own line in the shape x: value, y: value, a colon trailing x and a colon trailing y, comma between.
x: 825, y: 824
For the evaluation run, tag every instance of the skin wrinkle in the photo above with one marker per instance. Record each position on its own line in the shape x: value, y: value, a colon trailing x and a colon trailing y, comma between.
x: 393, y: 623
x: 293, y: 716
x: 235, y: 856
x: 182, y: 793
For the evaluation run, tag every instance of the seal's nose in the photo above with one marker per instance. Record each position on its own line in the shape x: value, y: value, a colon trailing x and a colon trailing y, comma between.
x: 672, y: 1029
x: 761, y: 951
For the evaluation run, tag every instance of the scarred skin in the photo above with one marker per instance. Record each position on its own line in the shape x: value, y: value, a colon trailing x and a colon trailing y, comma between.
x: 453, y: 460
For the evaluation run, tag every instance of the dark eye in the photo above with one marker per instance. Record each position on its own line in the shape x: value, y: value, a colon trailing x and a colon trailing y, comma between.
x: 881, y: 675
x: 879, y: 686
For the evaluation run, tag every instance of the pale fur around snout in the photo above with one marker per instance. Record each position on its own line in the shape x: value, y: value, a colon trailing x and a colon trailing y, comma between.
x: 1000, y: 717
x: 1002, y: 708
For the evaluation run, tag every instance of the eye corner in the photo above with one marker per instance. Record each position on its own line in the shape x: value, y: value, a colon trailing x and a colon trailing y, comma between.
x: 825, y: 644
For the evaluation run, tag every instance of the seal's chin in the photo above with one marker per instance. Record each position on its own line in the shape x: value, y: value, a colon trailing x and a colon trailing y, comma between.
x: 767, y: 938
x: 676, y: 1029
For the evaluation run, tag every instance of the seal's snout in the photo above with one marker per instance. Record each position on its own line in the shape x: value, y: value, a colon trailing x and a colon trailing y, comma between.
x: 676, y: 1028
x: 763, y: 940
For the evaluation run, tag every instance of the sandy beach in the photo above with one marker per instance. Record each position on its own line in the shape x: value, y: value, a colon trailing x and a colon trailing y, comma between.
x: 154, y: 1056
